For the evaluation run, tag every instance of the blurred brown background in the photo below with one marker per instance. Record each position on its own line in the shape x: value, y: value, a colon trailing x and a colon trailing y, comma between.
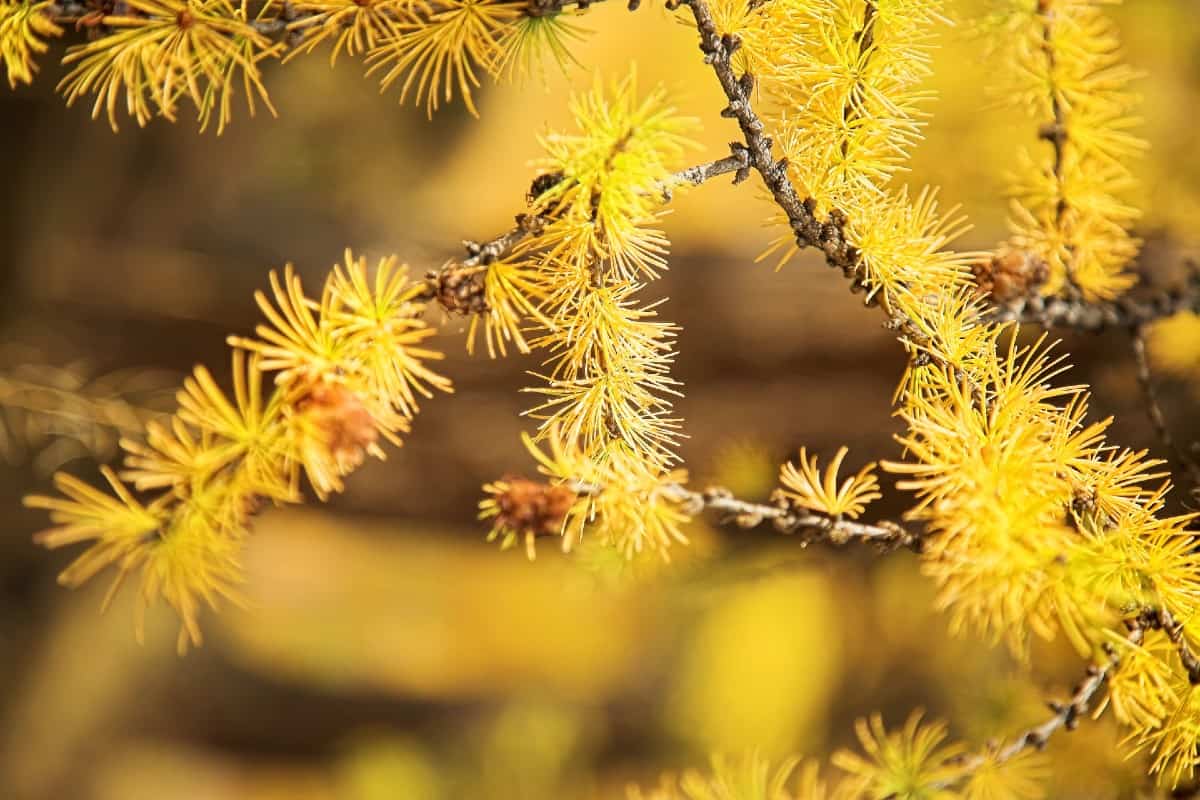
x: 390, y: 653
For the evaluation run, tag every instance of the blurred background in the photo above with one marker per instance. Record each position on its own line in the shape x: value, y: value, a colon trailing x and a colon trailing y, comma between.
x: 387, y: 651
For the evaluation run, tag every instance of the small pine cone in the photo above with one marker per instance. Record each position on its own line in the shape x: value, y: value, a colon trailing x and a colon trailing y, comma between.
x: 346, y: 427
x: 526, y: 506
x: 460, y: 290
x: 1010, y: 275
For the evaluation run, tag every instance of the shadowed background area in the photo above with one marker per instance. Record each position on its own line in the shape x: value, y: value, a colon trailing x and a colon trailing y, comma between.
x: 387, y: 651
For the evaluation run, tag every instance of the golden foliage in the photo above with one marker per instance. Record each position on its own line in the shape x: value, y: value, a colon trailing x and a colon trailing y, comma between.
x: 613, y: 174
x: 848, y: 104
x: 1035, y: 523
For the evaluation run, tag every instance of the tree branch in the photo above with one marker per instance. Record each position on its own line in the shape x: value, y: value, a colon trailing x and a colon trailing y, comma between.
x: 1067, y: 714
x: 826, y: 235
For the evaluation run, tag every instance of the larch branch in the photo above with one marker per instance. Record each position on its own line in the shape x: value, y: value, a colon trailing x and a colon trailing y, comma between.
x: 1067, y: 714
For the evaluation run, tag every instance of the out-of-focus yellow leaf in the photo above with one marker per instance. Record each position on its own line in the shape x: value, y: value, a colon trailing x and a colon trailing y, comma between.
x: 1175, y: 346
x: 386, y: 768
x: 81, y: 685
x: 746, y: 467
x: 759, y: 669
x: 529, y: 749
x: 431, y: 613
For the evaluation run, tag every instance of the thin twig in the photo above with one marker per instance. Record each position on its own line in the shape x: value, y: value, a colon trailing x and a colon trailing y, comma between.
x: 813, y: 527
x: 738, y: 163
x: 785, y: 518
x: 865, y: 36
x: 827, y: 235
x: 82, y: 14
x: 1055, y: 132
x: 482, y: 254
x: 1066, y: 715
x: 1137, y: 337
